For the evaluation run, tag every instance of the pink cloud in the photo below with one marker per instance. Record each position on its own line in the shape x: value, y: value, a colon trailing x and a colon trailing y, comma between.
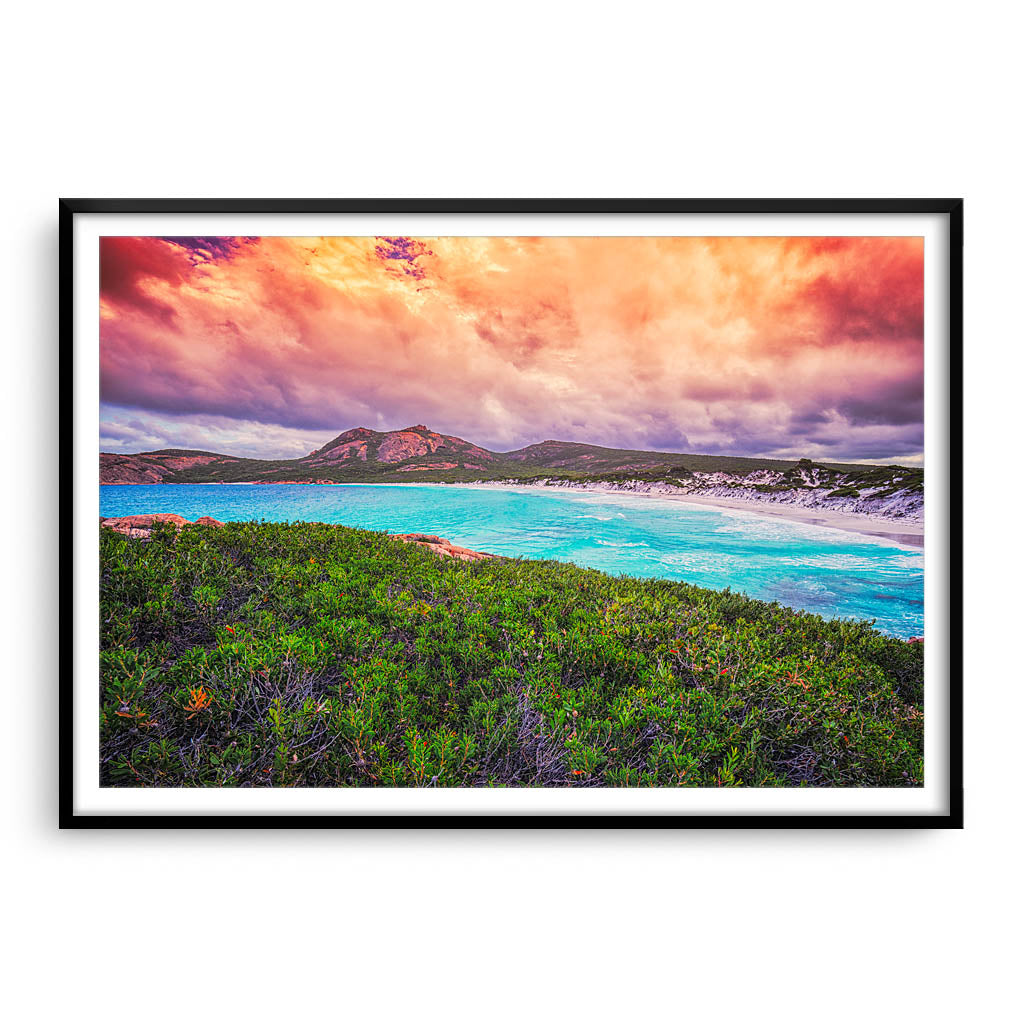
x: 745, y: 345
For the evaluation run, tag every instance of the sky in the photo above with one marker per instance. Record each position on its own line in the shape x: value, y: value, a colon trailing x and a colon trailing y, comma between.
x: 269, y: 347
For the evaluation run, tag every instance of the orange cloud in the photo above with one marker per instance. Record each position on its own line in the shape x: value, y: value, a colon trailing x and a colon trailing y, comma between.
x: 747, y: 345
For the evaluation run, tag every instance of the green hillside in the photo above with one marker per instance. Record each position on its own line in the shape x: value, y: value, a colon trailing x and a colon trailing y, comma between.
x: 315, y: 655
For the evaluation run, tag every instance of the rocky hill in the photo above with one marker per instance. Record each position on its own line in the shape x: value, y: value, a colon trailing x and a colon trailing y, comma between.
x: 413, y: 448
x: 156, y: 467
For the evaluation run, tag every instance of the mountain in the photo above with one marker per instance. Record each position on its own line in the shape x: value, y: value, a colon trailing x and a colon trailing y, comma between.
x: 415, y: 447
x: 362, y: 455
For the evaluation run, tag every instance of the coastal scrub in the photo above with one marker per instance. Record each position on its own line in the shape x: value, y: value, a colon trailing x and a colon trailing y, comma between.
x: 260, y: 654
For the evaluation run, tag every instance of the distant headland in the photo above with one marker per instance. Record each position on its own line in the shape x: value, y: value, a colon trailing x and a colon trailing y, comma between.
x: 416, y: 453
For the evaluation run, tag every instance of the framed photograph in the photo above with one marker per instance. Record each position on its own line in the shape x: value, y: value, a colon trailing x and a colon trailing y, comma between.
x: 511, y: 513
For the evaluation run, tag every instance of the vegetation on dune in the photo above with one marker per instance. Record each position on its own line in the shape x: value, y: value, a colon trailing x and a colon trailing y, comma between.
x: 673, y: 473
x: 892, y: 479
x: 315, y: 655
x: 676, y: 475
x: 419, y: 470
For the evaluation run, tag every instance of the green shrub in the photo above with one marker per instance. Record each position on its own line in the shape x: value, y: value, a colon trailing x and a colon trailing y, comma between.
x: 315, y: 655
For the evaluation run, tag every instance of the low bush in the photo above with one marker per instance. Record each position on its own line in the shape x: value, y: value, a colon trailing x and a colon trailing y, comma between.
x: 312, y: 655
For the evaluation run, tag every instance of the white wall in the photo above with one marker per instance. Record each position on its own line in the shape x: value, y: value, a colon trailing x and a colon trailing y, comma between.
x: 645, y: 99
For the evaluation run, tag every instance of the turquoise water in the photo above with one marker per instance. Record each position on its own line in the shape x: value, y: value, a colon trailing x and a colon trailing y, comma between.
x: 829, y: 572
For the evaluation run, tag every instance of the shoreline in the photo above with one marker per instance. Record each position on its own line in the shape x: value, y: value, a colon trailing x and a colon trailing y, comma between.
x: 910, y: 535
x: 906, y: 535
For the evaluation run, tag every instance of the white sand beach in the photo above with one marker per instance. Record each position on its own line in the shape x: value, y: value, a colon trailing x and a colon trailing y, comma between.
x: 906, y: 534
x: 910, y: 533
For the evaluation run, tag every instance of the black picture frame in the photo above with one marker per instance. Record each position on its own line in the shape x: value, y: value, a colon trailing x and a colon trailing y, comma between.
x: 953, y: 817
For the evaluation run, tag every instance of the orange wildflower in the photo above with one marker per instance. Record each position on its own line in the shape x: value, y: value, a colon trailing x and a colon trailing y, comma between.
x: 200, y: 700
